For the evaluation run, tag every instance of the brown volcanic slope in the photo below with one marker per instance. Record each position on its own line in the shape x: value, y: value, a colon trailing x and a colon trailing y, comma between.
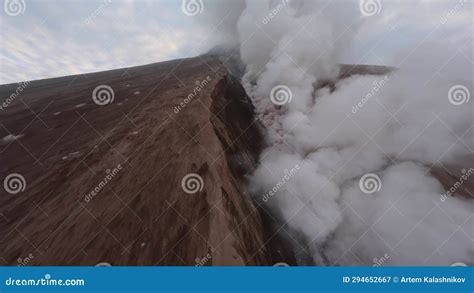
x: 141, y: 215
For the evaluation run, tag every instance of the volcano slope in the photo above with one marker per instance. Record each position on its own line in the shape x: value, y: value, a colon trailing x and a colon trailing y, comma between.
x: 105, y: 183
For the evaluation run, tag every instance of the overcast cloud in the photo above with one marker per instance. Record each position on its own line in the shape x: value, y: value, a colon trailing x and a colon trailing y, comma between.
x: 57, y: 38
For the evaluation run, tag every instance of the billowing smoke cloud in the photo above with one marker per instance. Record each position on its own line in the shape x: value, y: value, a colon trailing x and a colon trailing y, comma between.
x: 294, y: 43
x: 389, y: 128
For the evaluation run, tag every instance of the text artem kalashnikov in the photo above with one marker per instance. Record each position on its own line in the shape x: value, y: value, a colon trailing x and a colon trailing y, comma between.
x: 432, y: 279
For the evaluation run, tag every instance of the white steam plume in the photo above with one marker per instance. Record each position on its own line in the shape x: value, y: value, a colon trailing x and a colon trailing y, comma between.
x: 395, y: 127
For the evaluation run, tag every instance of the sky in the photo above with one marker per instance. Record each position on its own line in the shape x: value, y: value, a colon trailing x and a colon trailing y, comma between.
x: 52, y: 38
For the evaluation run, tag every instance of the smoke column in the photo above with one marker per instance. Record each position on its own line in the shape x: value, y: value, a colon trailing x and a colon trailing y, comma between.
x: 364, y: 145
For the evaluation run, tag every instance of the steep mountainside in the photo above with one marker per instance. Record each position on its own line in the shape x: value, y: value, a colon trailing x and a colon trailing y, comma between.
x: 104, y: 183
x: 109, y: 183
